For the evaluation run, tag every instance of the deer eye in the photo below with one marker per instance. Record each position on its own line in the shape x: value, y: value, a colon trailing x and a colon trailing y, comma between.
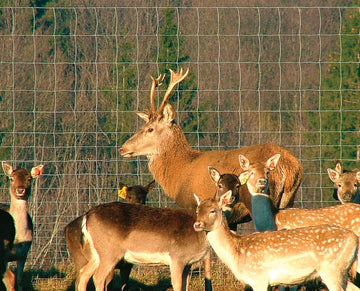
x: 150, y: 129
x: 339, y: 185
x: 220, y: 186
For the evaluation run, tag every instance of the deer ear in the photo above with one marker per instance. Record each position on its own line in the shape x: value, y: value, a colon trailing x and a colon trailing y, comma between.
x: 150, y: 186
x: 143, y: 116
x: 168, y: 114
x: 244, y: 162
x: 358, y: 176
x: 272, y: 162
x: 226, y: 199
x: 333, y: 175
x: 37, y: 171
x: 338, y: 167
x: 214, y: 174
x: 8, y: 169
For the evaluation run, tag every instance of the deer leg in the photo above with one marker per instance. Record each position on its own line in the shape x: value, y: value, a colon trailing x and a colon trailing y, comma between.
x: 351, y: 287
x: 9, y: 280
x: 177, y: 273
x: 207, y: 271
x: 334, y: 280
x: 85, y: 274
x: 125, y: 269
x: 105, y: 268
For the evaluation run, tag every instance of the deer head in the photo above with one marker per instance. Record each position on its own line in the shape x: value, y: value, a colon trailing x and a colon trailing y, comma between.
x: 256, y: 175
x: 20, y: 180
x: 346, y: 183
x: 135, y: 194
x: 158, y: 122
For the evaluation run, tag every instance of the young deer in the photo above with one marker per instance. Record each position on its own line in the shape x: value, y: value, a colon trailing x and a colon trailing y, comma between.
x: 224, y: 183
x: 165, y: 146
x: 73, y: 232
x: 20, y: 190
x: 284, y: 257
x: 136, y: 234
x: 7, y: 235
x: 346, y: 184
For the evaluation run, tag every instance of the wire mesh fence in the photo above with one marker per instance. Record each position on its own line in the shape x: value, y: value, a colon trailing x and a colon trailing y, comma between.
x: 72, y: 77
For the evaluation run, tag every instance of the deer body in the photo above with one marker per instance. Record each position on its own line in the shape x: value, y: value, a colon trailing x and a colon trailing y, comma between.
x: 134, y: 234
x: 346, y: 184
x: 139, y: 234
x: 165, y: 145
x: 73, y: 233
x: 284, y: 257
x: 255, y: 176
x: 20, y: 190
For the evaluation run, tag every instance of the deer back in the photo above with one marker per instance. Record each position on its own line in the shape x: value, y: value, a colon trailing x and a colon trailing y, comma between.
x: 127, y: 229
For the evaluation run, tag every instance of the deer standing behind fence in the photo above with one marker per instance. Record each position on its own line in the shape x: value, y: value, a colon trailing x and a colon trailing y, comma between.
x: 133, y: 233
x: 73, y: 233
x: 346, y: 183
x: 283, y: 257
x: 169, y: 154
x: 20, y: 190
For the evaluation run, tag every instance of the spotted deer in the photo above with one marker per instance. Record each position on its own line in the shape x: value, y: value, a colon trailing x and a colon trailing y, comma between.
x: 285, y: 257
x: 20, y: 190
x: 73, y: 232
x: 118, y: 235
x: 344, y: 215
x: 346, y: 183
x: 164, y: 144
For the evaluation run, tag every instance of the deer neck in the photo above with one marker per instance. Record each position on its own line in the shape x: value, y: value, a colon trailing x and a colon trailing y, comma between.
x: 173, y: 154
x: 227, y: 246
x: 19, y: 211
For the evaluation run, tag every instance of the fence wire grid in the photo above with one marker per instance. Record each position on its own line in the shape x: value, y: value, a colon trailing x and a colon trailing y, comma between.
x: 72, y: 77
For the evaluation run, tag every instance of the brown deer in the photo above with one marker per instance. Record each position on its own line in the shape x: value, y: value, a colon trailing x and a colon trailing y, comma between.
x: 285, y: 257
x: 135, y: 233
x: 168, y: 152
x: 20, y: 190
x: 224, y: 183
x: 7, y: 235
x: 346, y: 184
x: 132, y: 194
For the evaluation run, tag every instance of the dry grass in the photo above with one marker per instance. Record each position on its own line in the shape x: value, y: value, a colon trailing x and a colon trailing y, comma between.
x: 143, y: 278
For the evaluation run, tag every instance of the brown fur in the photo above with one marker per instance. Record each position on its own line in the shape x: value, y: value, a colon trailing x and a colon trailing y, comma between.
x: 133, y: 194
x: 118, y: 228
x: 181, y: 171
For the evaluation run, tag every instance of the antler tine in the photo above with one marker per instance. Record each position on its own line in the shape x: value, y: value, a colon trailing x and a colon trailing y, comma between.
x: 155, y: 83
x: 175, y: 79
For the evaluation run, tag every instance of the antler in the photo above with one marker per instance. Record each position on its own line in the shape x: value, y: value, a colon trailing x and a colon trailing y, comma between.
x: 155, y: 83
x: 174, y: 79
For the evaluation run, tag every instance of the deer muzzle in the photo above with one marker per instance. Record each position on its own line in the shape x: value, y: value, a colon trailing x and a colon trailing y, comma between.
x: 199, y: 226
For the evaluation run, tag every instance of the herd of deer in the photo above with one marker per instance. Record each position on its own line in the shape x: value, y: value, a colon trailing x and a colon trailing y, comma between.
x: 216, y: 190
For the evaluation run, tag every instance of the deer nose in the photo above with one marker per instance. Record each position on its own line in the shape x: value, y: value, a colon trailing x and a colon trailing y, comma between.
x: 121, y: 151
x: 198, y: 226
x: 262, y: 182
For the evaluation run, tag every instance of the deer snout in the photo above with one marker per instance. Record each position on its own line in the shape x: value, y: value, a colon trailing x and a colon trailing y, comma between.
x: 125, y: 153
x: 20, y: 191
x: 199, y: 226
